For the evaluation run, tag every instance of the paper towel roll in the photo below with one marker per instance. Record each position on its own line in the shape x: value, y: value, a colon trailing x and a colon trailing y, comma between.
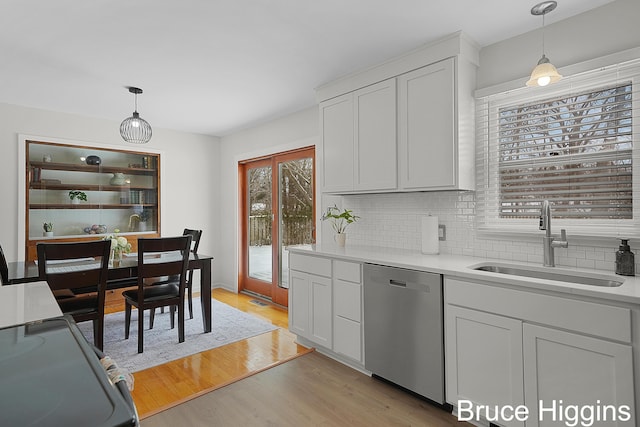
x: 430, y: 240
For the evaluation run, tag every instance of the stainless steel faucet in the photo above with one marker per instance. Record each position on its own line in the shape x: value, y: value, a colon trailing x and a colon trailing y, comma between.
x: 549, y: 242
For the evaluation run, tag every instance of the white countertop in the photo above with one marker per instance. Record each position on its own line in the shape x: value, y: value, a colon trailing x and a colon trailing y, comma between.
x: 458, y: 266
x: 27, y: 302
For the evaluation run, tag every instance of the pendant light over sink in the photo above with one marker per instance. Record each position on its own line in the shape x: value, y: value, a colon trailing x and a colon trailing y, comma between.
x: 135, y: 129
x: 544, y: 73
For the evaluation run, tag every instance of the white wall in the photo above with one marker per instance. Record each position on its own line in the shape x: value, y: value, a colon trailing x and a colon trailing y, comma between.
x: 294, y: 131
x: 190, y: 177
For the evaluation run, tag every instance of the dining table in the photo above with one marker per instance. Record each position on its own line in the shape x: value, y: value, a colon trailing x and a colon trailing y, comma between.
x: 125, y: 274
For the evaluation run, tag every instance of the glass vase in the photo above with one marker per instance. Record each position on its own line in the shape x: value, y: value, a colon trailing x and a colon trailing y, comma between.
x: 116, y: 257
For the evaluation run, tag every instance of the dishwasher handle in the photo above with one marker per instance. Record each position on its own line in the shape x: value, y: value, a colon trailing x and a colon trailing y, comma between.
x: 397, y: 283
x: 416, y: 286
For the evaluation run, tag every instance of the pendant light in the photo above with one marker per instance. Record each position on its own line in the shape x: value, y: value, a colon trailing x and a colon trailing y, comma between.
x: 135, y: 129
x: 544, y: 73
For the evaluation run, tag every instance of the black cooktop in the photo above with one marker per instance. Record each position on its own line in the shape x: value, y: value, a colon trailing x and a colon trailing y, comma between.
x: 50, y: 376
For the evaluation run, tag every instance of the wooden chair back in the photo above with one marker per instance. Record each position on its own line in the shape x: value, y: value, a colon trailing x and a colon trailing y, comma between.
x: 80, y: 282
x: 195, y: 238
x: 163, y: 256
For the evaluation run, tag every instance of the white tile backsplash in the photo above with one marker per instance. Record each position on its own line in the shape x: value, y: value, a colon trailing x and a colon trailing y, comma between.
x: 393, y: 220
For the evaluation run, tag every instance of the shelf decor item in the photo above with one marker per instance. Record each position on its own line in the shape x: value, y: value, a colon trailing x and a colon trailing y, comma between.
x: 48, y: 229
x: 93, y: 160
x: 118, y: 179
x: 119, y: 246
x: 135, y: 129
x: 75, y: 196
x: 340, y: 220
x: 96, y: 229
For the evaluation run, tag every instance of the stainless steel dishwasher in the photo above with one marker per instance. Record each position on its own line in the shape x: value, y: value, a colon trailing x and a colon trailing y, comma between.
x: 403, y: 328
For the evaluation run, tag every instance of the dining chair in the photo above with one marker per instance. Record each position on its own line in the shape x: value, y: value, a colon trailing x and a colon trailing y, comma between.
x: 157, y: 257
x: 77, y: 276
x: 4, y: 268
x: 195, y: 243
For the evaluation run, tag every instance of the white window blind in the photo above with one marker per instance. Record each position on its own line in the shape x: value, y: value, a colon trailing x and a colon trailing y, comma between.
x: 572, y: 144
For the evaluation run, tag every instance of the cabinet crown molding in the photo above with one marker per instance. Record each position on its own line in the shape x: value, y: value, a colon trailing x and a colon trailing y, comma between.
x: 456, y: 44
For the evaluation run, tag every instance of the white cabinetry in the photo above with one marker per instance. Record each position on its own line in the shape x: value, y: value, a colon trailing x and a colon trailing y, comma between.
x: 358, y: 140
x: 576, y: 369
x: 337, y: 153
x: 535, y: 348
x: 484, y: 358
x: 428, y: 143
x: 325, y: 305
x: 405, y: 125
x: 310, y: 298
x: 347, y: 309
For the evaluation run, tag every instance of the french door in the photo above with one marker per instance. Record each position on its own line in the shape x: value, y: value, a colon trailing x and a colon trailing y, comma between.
x: 277, y: 208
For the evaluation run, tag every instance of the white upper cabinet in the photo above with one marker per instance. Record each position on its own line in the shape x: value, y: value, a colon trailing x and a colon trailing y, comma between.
x: 337, y: 153
x: 410, y: 131
x: 426, y: 137
x: 375, y: 142
x: 359, y: 140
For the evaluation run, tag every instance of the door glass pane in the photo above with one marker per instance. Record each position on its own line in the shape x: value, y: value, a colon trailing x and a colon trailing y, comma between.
x: 295, y: 216
x: 260, y: 219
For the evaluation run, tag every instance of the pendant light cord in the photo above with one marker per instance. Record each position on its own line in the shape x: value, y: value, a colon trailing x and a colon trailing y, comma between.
x: 543, y: 32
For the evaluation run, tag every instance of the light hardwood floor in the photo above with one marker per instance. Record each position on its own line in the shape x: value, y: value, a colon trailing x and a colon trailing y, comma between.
x: 311, y: 390
x: 248, y: 383
x: 170, y: 384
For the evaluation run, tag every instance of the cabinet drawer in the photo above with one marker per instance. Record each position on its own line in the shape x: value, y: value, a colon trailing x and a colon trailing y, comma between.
x: 596, y: 319
x: 349, y: 271
x: 347, y: 338
x: 346, y: 300
x: 310, y: 264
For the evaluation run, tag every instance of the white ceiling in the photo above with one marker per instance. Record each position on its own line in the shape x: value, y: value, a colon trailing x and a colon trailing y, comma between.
x: 214, y: 67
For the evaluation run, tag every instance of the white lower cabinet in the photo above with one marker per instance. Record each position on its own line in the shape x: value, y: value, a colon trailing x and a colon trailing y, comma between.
x: 310, y: 300
x: 310, y: 307
x: 325, y: 305
x: 347, y: 310
x: 484, y: 355
x: 553, y: 356
x: 562, y: 368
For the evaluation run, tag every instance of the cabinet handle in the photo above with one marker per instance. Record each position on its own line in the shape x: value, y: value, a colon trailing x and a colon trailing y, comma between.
x: 397, y: 283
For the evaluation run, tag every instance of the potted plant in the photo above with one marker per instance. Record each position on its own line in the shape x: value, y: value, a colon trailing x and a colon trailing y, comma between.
x: 75, y: 196
x: 48, y: 229
x: 143, y: 216
x: 340, y: 220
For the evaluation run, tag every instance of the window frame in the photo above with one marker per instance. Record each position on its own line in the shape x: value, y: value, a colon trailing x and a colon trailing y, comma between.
x: 487, y: 154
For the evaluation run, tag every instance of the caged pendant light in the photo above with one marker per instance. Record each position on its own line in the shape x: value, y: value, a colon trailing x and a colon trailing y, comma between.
x: 135, y: 129
x: 544, y: 73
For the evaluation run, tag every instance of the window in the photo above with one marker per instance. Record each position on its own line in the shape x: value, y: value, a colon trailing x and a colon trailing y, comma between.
x: 572, y: 144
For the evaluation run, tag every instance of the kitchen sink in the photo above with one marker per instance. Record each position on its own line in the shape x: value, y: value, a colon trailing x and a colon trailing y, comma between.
x: 546, y: 273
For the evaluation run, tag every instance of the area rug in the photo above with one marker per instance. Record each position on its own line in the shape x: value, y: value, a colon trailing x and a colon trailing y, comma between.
x: 161, y: 343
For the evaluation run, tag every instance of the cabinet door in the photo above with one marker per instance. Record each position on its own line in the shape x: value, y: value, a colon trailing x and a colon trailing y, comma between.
x: 299, y: 297
x: 375, y: 139
x: 427, y: 140
x: 483, y: 359
x: 337, y: 154
x: 320, y: 313
x: 577, y: 370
